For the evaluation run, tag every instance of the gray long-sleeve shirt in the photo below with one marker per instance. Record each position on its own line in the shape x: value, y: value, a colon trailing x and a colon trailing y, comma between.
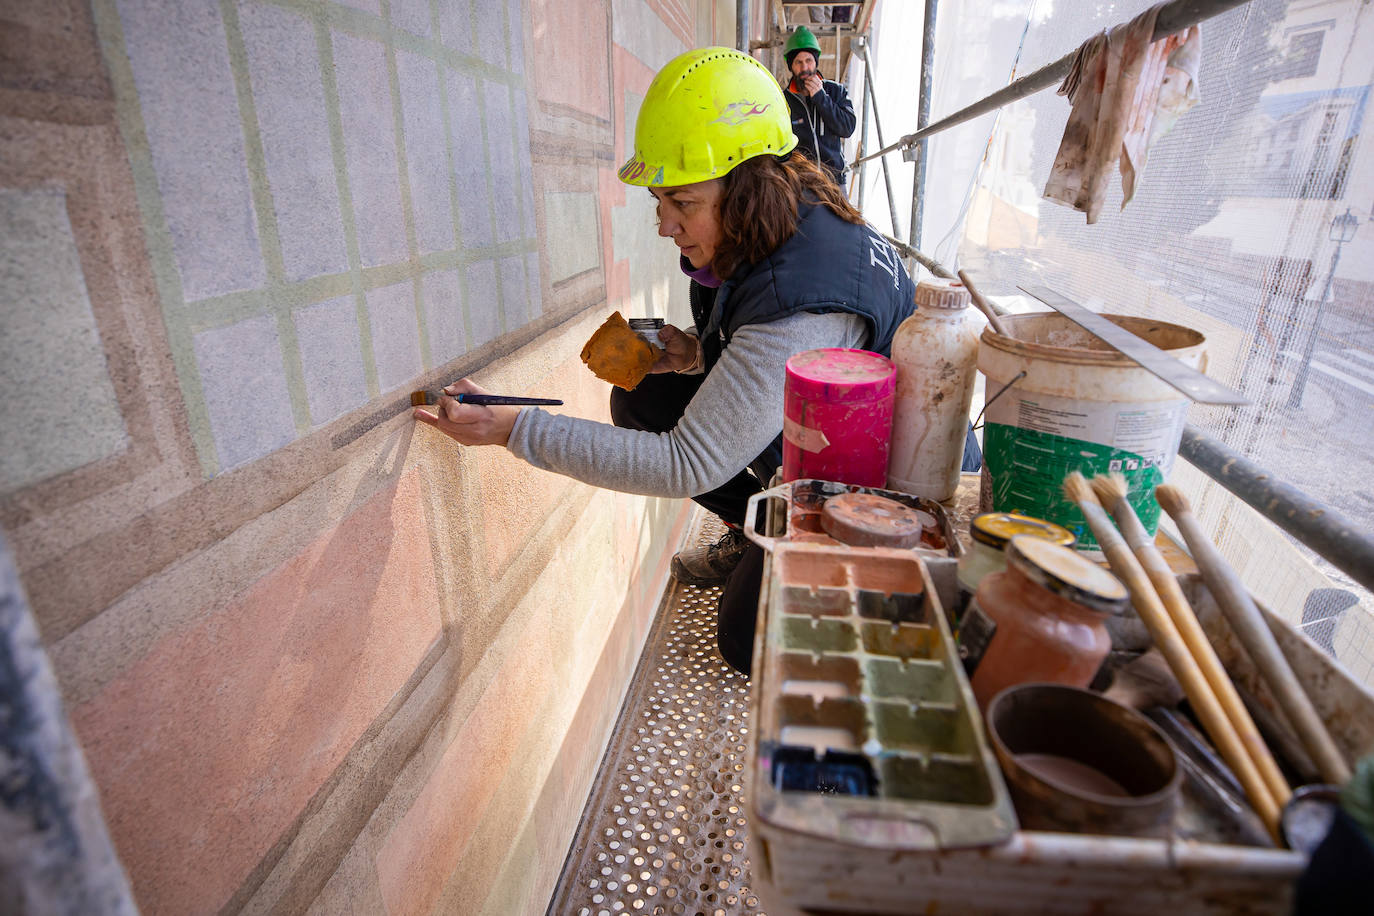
x: 735, y: 414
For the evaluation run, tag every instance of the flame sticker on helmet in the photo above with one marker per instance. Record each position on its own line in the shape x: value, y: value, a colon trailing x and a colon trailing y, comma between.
x: 739, y: 112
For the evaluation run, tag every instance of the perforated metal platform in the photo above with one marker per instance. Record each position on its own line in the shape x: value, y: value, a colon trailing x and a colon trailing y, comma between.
x: 664, y: 830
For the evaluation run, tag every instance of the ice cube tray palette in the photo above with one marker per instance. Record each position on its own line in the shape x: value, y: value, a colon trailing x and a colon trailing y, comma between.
x: 868, y: 733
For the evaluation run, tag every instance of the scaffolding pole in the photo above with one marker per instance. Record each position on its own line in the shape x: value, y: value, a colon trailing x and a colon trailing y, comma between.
x: 863, y: 132
x: 1324, y: 529
x: 924, y: 260
x: 871, y: 99
x: 918, y: 180
x: 56, y: 858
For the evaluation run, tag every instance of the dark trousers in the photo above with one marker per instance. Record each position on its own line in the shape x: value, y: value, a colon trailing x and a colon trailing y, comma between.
x: 656, y: 405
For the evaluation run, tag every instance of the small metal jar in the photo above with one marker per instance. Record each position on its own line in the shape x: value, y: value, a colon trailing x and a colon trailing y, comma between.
x: 990, y: 533
x: 647, y: 329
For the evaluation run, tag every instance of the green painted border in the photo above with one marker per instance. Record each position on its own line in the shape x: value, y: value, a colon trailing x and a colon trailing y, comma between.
x: 269, y: 233
x: 166, y: 276
x: 278, y: 297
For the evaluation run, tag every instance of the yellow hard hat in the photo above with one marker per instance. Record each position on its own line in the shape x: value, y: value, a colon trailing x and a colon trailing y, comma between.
x: 706, y: 112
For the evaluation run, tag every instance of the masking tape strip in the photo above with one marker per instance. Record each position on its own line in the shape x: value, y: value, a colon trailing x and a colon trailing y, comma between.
x: 804, y: 438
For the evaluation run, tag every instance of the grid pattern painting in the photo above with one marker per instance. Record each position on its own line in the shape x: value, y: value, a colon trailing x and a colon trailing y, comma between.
x: 337, y: 197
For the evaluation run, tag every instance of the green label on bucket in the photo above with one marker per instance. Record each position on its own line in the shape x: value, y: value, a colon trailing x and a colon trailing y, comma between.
x: 1033, y: 440
x: 1028, y: 468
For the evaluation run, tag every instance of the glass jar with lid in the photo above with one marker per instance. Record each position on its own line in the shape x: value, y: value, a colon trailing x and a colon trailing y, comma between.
x: 1043, y: 618
x: 990, y: 533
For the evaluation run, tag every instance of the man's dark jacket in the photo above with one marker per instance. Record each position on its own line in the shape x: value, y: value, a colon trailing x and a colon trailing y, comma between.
x: 822, y: 121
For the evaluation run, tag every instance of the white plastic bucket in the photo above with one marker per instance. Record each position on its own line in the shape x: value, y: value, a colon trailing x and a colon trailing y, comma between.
x: 1080, y: 406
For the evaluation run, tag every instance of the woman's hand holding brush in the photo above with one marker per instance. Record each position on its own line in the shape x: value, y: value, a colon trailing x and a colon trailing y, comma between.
x: 470, y: 424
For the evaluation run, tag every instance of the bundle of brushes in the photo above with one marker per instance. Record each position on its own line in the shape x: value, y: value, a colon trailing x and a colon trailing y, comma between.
x: 1250, y: 627
x: 1162, y: 607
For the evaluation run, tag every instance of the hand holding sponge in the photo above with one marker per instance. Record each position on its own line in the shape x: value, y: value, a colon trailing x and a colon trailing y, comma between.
x: 618, y: 355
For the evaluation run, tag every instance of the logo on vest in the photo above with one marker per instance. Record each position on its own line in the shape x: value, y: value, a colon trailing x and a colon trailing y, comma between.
x: 882, y: 254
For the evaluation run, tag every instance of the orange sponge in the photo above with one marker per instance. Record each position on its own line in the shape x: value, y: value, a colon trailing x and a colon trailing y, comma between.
x: 618, y: 355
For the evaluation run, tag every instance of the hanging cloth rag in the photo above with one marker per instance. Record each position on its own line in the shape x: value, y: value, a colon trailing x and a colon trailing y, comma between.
x: 1126, y: 92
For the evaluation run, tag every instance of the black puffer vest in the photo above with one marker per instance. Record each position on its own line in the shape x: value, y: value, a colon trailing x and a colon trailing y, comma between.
x: 828, y: 265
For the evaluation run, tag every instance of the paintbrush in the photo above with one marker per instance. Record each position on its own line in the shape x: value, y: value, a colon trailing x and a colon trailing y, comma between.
x: 984, y: 306
x: 1112, y: 490
x: 1235, y: 602
x: 1151, y: 610
x: 429, y: 398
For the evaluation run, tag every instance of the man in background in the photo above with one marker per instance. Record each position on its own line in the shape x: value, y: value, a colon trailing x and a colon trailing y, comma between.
x: 822, y: 115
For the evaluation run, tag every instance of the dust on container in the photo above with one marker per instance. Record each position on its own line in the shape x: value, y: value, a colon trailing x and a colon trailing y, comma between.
x: 837, y: 416
x: 1060, y: 400
x: 936, y: 351
x: 1042, y: 619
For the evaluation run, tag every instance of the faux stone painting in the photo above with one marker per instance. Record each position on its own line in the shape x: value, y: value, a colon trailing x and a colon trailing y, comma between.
x: 50, y: 349
x: 321, y: 185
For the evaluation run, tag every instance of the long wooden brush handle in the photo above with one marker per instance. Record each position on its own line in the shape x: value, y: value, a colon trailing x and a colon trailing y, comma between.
x: 1235, y: 601
x: 1161, y: 628
x: 984, y: 305
x: 1166, y: 584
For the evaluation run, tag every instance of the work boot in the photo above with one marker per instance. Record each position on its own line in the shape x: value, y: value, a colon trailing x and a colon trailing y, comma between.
x: 712, y: 564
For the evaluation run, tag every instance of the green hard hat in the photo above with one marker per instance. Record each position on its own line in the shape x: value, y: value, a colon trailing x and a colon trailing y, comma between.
x: 801, y: 40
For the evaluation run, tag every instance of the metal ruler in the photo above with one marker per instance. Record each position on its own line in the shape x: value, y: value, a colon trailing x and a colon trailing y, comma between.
x: 1191, y: 382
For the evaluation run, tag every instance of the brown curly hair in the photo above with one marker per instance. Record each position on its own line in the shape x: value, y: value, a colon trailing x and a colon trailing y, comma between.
x: 759, y: 207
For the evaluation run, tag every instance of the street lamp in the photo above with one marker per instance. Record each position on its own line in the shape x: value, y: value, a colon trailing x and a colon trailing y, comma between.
x: 1343, y: 227
x: 1342, y: 230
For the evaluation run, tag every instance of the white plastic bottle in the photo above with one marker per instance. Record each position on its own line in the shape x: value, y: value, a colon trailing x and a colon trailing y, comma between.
x: 936, y: 352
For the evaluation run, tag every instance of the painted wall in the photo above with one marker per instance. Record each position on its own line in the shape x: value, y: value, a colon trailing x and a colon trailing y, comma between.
x: 321, y: 659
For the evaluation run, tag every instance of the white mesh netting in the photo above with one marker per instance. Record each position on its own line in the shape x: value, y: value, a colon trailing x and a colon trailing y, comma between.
x: 1251, y: 223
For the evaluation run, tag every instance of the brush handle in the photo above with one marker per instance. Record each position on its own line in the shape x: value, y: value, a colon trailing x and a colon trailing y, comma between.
x: 489, y: 400
x: 1195, y: 686
x: 984, y: 305
x: 1235, y: 601
x: 1181, y: 612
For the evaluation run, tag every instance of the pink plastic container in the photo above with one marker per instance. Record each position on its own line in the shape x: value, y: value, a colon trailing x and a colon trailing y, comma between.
x: 837, y: 416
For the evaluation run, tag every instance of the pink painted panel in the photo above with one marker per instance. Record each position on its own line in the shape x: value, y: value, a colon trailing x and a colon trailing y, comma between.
x: 675, y: 15
x: 212, y: 744
x: 517, y: 498
x: 427, y: 843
